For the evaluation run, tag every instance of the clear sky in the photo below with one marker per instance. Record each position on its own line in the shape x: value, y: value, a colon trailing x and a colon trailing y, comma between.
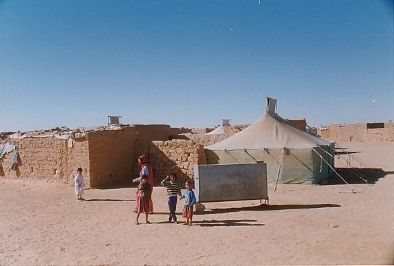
x: 193, y: 62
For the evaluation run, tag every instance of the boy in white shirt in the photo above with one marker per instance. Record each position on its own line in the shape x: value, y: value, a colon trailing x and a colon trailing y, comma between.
x: 79, y: 182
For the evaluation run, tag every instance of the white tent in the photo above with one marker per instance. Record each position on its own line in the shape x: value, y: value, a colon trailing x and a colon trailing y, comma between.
x: 218, y: 130
x: 292, y: 155
x: 223, y: 128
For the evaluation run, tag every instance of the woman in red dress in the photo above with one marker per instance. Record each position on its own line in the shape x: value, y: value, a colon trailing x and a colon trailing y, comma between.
x: 146, y: 170
x: 144, y: 191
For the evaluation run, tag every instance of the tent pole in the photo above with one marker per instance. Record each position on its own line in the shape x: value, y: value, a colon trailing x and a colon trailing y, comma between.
x: 277, y: 178
x: 279, y: 167
x: 330, y: 166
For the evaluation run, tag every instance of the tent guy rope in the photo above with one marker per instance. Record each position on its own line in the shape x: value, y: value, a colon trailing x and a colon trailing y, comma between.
x: 332, y: 168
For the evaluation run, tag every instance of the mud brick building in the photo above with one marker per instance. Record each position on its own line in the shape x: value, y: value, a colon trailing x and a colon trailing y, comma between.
x: 107, y: 156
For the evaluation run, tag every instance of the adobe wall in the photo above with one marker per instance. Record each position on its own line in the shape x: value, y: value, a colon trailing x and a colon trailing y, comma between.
x: 337, y: 132
x: 106, y: 156
x: 178, y: 156
x: 145, y: 134
x: 46, y: 158
x: 112, y: 153
x: 380, y: 134
x: 357, y: 132
x: 77, y: 156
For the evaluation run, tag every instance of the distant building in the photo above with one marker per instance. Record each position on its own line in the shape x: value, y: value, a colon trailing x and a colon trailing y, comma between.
x: 114, y: 120
x: 359, y: 132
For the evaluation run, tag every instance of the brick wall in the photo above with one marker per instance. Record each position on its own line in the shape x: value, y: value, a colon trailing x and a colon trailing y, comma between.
x: 178, y: 156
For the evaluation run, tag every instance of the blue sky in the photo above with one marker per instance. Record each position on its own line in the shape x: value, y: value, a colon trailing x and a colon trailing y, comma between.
x: 192, y: 63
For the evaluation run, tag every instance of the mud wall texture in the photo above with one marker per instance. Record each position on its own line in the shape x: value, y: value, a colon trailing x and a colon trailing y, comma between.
x: 106, y: 156
x: 77, y: 156
x: 176, y: 156
x: 47, y: 158
x: 111, y: 154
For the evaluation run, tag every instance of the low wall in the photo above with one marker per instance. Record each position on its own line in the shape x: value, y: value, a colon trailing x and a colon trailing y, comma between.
x: 178, y: 156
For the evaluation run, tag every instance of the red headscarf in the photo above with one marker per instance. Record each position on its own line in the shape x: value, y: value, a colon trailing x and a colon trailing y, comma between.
x: 142, y: 161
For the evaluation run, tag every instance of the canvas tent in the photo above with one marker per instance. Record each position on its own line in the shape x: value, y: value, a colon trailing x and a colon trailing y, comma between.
x: 291, y: 155
x: 223, y: 128
x: 218, y: 130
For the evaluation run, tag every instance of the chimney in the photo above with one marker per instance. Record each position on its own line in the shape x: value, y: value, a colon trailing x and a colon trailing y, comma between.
x: 114, y: 120
x: 271, y: 105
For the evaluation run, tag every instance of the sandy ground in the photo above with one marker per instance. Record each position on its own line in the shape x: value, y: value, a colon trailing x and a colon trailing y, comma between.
x: 42, y: 223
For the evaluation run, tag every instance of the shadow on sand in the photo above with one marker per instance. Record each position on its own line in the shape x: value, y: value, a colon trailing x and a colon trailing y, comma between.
x: 210, y: 223
x: 123, y: 184
x: 108, y: 200
x: 264, y: 207
x: 357, y: 176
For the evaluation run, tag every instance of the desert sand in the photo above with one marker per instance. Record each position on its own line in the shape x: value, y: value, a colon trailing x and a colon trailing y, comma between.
x: 42, y: 223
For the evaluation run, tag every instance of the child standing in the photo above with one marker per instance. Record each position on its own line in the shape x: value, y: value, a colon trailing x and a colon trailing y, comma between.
x: 190, y: 200
x: 144, y: 192
x: 79, y: 182
x: 173, y: 189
